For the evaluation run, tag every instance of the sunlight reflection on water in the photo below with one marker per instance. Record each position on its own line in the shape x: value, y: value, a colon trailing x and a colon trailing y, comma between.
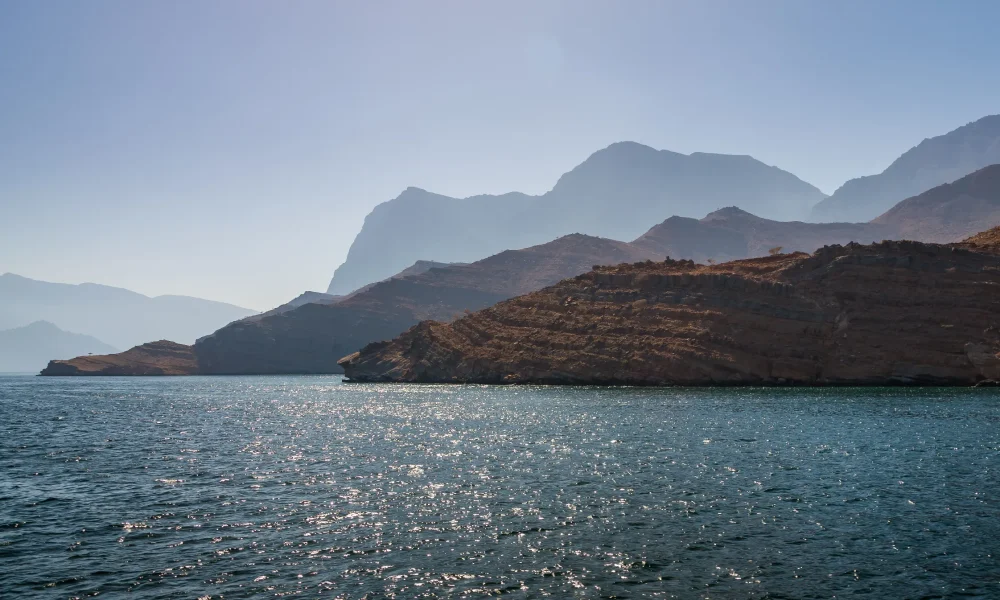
x: 236, y: 487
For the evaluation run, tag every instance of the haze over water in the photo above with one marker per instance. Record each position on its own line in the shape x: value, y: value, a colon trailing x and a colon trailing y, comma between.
x: 244, y: 486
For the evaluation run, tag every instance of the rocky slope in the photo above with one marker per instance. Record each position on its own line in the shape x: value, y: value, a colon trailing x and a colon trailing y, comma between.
x: 986, y: 241
x: 616, y: 193
x: 420, y: 266
x: 948, y: 212
x: 887, y: 313
x: 155, y: 358
x: 933, y: 162
x: 310, y: 338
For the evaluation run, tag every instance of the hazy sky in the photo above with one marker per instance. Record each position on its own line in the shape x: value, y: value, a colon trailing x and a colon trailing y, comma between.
x: 231, y: 149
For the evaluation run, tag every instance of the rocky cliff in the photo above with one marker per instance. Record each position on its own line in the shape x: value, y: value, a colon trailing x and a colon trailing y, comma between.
x: 888, y: 313
x: 155, y: 358
x: 933, y: 162
x: 616, y: 193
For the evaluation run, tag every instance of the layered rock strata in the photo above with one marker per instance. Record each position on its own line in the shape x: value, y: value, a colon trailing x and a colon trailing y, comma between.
x: 889, y: 313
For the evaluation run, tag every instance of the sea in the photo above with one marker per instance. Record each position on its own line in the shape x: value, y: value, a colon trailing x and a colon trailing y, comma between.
x: 272, y: 487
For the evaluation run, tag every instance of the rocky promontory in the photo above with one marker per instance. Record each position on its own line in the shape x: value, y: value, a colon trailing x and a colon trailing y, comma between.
x: 904, y: 313
x: 155, y: 358
x: 311, y: 338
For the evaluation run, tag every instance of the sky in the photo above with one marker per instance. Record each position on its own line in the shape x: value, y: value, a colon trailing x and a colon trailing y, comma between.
x: 230, y: 149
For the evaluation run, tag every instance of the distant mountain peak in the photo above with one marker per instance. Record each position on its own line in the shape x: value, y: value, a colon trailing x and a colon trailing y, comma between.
x: 117, y: 316
x: 26, y: 349
x: 41, y: 325
x: 627, y: 150
x: 627, y: 146
x: 932, y: 162
x: 730, y: 212
x: 951, y: 211
x: 616, y: 193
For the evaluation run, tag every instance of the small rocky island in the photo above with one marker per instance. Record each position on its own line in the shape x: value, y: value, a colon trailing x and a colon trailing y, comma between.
x: 892, y: 313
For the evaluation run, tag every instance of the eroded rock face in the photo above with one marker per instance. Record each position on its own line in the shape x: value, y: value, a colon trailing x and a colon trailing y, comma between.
x: 155, y: 358
x: 887, y: 313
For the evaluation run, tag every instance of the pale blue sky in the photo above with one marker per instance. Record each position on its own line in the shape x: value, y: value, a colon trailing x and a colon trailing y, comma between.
x: 231, y: 149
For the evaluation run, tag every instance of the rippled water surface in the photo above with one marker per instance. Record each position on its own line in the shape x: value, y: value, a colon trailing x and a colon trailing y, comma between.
x: 271, y: 487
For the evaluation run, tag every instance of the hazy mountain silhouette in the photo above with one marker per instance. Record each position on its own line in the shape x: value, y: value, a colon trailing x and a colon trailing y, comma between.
x: 120, y: 317
x: 28, y: 349
x: 421, y: 266
x: 948, y: 212
x: 732, y: 233
x: 931, y: 163
x: 309, y: 338
x: 311, y: 333
x: 615, y: 194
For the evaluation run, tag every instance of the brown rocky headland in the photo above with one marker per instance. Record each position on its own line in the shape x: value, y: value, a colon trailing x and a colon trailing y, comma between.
x: 904, y: 313
x: 155, y: 358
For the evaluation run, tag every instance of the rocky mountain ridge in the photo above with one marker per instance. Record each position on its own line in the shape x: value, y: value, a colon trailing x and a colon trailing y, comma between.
x: 947, y: 212
x: 311, y: 333
x: 615, y: 193
x: 933, y: 162
x: 893, y: 313
x: 310, y: 338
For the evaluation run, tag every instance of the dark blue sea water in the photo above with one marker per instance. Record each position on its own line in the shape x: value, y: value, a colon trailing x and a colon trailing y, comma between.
x: 303, y: 486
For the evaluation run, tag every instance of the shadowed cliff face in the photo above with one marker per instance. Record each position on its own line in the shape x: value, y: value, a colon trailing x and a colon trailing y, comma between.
x: 933, y: 162
x: 616, y: 193
x: 888, y: 313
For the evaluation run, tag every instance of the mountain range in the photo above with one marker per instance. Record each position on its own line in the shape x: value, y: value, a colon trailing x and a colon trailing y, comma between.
x: 933, y: 162
x: 950, y: 211
x: 620, y: 189
x: 892, y: 313
x: 616, y: 193
x: 309, y: 333
x: 116, y: 316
